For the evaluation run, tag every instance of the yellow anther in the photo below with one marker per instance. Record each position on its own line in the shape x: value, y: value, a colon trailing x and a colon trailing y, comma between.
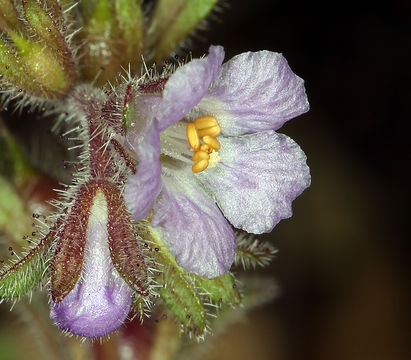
x: 211, y: 131
x: 206, y: 148
x: 199, y: 166
x: 193, y: 137
x: 212, y: 142
x: 201, y: 135
x: 200, y: 155
x: 205, y: 122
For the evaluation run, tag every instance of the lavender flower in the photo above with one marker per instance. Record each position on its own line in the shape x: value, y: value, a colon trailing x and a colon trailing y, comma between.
x: 208, y: 152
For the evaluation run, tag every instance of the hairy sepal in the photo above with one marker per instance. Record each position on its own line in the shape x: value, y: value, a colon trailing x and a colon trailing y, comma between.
x: 71, y: 241
x: 124, y: 248
x: 252, y: 252
x: 221, y: 290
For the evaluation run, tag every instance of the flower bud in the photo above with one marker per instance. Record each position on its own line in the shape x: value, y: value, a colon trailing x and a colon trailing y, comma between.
x: 36, y: 61
x: 114, y: 39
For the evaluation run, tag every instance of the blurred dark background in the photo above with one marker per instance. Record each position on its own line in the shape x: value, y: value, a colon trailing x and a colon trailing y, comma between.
x: 343, y: 262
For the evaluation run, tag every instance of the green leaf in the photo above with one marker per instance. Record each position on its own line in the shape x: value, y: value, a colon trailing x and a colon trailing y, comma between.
x: 173, y: 21
x: 21, y: 277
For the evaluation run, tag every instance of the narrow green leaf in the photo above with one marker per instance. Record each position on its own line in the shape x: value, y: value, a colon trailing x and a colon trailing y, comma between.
x: 21, y: 277
x: 173, y: 21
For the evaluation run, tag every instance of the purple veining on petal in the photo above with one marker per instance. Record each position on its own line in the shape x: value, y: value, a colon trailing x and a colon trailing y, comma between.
x: 186, y: 87
x: 194, y: 230
x: 101, y: 300
x: 257, y: 178
x: 255, y: 92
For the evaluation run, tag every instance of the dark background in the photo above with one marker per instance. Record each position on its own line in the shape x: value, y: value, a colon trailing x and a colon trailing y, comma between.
x: 343, y: 257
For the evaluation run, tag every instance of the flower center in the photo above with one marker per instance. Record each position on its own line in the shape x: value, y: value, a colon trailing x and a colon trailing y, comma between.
x: 201, y: 135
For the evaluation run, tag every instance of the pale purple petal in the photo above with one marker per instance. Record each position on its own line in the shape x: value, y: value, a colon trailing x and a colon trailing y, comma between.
x: 255, y: 92
x: 194, y: 230
x: 188, y: 85
x: 144, y: 186
x: 257, y: 178
x: 100, y: 301
x: 144, y: 111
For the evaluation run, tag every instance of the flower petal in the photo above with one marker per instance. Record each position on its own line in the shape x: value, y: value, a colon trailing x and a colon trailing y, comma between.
x: 257, y: 178
x: 144, y: 186
x: 100, y: 301
x: 255, y: 92
x: 188, y: 85
x: 194, y: 230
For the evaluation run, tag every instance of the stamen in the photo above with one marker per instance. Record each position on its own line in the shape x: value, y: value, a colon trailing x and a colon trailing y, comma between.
x: 205, y: 147
x: 193, y: 137
x: 205, y: 122
x: 199, y: 166
x: 200, y: 155
x: 201, y: 135
x: 211, y: 131
x: 212, y: 141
